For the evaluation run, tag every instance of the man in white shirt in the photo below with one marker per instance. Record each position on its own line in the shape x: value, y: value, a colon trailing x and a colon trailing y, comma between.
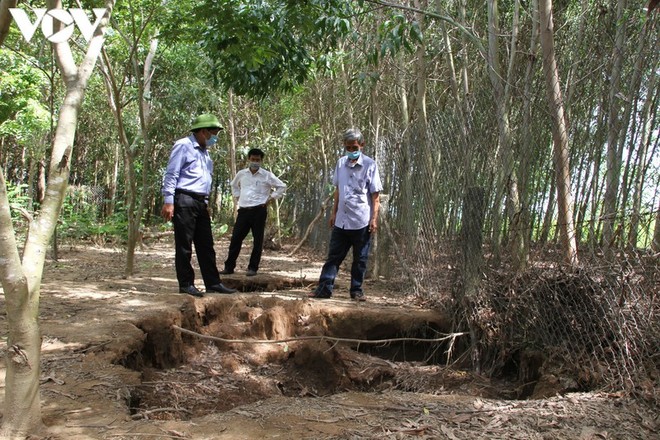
x: 255, y: 187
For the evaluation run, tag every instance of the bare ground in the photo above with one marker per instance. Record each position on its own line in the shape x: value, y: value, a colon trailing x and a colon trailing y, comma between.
x: 113, y: 367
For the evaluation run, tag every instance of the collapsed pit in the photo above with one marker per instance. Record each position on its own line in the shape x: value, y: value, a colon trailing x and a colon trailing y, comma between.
x: 185, y: 376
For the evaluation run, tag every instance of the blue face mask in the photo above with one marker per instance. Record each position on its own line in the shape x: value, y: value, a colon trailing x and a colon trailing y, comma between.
x: 212, y: 140
x: 353, y: 155
x: 255, y: 165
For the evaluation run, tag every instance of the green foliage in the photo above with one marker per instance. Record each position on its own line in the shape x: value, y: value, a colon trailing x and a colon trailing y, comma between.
x: 220, y: 229
x: 394, y: 35
x: 22, y: 116
x: 18, y: 200
x: 181, y: 89
x: 260, y: 47
x: 84, y: 226
x: 79, y: 218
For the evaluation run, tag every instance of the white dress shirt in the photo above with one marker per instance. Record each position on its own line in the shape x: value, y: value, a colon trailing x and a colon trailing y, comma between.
x: 256, y: 189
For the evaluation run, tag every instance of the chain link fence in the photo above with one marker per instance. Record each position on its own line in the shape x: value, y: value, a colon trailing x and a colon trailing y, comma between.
x: 546, y: 324
x: 453, y: 235
x: 591, y: 327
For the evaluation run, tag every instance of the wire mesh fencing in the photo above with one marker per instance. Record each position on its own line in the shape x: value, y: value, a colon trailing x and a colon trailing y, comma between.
x: 456, y: 235
x: 594, y: 326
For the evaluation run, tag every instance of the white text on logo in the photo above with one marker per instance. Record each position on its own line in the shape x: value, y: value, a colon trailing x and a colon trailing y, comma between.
x: 47, y: 17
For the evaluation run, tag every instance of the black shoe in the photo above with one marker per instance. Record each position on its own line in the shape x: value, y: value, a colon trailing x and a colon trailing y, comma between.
x: 191, y: 290
x: 317, y: 295
x: 226, y: 272
x: 250, y: 273
x: 358, y: 296
x: 219, y: 288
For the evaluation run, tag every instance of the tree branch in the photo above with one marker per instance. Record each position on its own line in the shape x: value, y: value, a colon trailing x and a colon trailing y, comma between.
x: 476, y: 40
x: 311, y: 225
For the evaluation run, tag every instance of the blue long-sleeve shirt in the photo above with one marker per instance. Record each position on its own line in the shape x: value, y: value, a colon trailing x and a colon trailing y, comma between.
x: 190, y: 168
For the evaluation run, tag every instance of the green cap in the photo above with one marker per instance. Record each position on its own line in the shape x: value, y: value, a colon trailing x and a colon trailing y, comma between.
x: 205, y: 121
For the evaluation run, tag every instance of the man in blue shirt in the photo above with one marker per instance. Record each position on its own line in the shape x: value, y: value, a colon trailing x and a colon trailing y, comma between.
x: 186, y: 188
x: 354, y: 215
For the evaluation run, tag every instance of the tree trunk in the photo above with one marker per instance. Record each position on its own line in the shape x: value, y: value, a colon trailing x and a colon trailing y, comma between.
x: 528, y: 150
x: 405, y: 217
x: 232, y: 147
x: 348, y: 105
x: 517, y: 204
x: 425, y: 177
x: 459, y: 101
x: 595, y: 193
x: 41, y: 180
x: 112, y: 181
x: 495, y: 75
x: 5, y: 18
x: 634, y: 94
x: 646, y: 133
x: 115, y: 102
x: 582, y: 202
x: 318, y: 217
x: 559, y: 135
x: 144, y: 110
x: 575, y: 67
x: 613, y: 171
x: 472, y: 261
x: 505, y: 182
x: 21, y: 281
x: 374, y: 108
x: 22, y: 412
x: 655, y: 246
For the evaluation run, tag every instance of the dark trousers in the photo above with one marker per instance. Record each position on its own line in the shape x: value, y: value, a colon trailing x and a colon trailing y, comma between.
x: 248, y: 219
x: 192, y: 224
x: 341, y: 240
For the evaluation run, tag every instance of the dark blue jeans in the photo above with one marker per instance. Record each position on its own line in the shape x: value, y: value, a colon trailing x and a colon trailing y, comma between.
x: 341, y: 240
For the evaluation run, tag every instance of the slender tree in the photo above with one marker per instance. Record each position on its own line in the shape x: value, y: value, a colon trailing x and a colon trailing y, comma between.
x: 559, y: 134
x: 21, y: 277
x: 614, y: 122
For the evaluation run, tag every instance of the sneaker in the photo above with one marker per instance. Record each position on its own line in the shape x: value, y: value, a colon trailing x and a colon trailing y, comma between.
x: 250, y: 273
x: 226, y: 272
x: 191, y: 290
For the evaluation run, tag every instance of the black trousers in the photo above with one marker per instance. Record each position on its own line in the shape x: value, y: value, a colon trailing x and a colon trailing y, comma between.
x: 248, y: 219
x: 192, y: 224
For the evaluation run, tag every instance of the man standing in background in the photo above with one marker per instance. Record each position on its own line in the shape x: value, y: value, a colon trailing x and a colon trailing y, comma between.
x: 254, y: 187
x: 186, y: 188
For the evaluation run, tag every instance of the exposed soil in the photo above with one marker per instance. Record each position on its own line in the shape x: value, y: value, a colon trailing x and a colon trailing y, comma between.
x: 116, y: 366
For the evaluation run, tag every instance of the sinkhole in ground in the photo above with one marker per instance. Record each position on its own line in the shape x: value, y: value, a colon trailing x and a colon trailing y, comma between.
x: 186, y: 376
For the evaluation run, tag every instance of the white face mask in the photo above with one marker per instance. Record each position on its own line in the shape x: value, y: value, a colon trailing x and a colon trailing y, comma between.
x: 255, y: 165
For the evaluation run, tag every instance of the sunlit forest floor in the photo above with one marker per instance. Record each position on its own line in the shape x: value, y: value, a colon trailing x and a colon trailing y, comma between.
x: 114, y: 367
